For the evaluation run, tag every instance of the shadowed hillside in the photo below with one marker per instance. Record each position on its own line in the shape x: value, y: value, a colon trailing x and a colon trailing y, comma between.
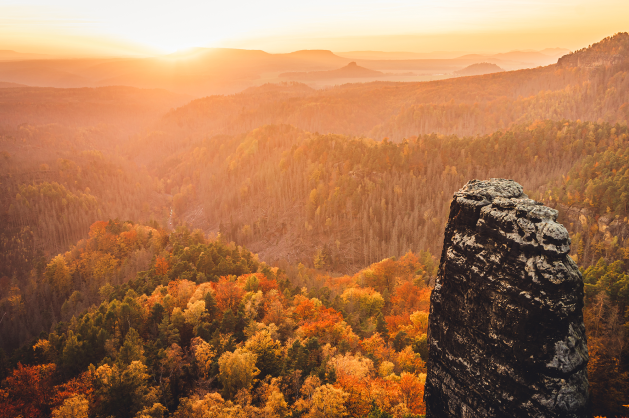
x: 125, y: 109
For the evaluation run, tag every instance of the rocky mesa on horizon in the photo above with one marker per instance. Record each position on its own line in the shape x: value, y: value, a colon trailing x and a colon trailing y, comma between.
x: 351, y: 70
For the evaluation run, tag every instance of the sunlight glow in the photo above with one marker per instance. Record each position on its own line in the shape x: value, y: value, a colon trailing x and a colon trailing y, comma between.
x: 142, y: 26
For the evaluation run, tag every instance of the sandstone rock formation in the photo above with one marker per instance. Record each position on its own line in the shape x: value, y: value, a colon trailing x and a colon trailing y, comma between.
x: 589, y: 60
x: 506, y: 326
x: 613, y: 50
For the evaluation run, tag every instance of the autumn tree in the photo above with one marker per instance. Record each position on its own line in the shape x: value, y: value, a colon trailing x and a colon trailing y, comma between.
x: 237, y: 371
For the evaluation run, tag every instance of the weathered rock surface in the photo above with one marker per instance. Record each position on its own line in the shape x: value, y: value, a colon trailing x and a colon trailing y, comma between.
x: 610, y: 51
x: 506, y: 326
x: 589, y: 60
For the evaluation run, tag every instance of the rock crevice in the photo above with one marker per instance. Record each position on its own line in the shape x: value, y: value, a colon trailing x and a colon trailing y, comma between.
x: 506, y: 326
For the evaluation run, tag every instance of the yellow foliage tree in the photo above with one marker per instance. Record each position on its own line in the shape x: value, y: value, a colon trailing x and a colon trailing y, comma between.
x: 156, y: 411
x: 328, y: 402
x: 74, y: 407
x: 58, y: 274
x: 194, y: 312
x: 203, y: 354
x: 237, y: 370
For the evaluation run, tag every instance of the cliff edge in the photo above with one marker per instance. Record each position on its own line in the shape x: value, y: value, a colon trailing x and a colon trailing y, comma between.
x: 506, y: 325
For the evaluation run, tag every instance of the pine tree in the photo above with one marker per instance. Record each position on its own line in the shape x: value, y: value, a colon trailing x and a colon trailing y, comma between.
x: 210, y: 304
x: 168, y: 333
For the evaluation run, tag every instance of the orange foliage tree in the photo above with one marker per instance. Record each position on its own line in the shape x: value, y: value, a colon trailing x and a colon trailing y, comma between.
x: 30, y: 391
x: 228, y: 294
x: 161, y: 266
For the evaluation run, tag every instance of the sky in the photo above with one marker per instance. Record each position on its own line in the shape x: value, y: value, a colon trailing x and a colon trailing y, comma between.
x: 147, y: 27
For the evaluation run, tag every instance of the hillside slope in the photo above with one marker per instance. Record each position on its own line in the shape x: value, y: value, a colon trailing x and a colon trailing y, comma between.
x: 203, y: 324
x: 59, y: 169
x: 460, y: 106
x: 289, y: 194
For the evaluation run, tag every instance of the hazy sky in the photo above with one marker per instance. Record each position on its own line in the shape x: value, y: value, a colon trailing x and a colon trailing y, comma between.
x: 141, y: 26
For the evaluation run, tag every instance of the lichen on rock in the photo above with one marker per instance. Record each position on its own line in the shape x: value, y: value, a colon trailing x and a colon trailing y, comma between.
x: 506, y: 324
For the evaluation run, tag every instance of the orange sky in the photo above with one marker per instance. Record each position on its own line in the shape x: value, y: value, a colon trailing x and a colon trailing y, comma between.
x: 115, y: 27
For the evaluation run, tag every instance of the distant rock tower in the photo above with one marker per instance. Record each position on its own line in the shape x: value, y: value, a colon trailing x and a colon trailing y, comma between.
x: 506, y: 325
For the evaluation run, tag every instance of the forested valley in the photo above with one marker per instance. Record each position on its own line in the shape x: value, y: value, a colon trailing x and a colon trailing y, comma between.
x: 271, y: 253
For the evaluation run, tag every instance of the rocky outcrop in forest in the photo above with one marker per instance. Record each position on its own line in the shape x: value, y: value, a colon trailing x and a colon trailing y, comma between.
x: 589, y: 60
x: 506, y: 325
x: 612, y: 50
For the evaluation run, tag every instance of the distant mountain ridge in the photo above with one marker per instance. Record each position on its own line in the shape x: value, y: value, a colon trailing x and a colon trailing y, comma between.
x: 531, y: 56
x: 205, y: 71
x: 479, y: 69
x: 400, y: 110
x: 544, y: 57
x: 400, y: 55
x: 351, y: 70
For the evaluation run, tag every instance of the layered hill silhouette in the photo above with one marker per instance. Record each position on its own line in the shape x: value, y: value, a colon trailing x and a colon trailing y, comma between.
x: 544, y: 57
x: 203, y: 71
x: 351, y: 70
x: 479, y: 69
x: 461, y: 106
x: 198, y: 71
